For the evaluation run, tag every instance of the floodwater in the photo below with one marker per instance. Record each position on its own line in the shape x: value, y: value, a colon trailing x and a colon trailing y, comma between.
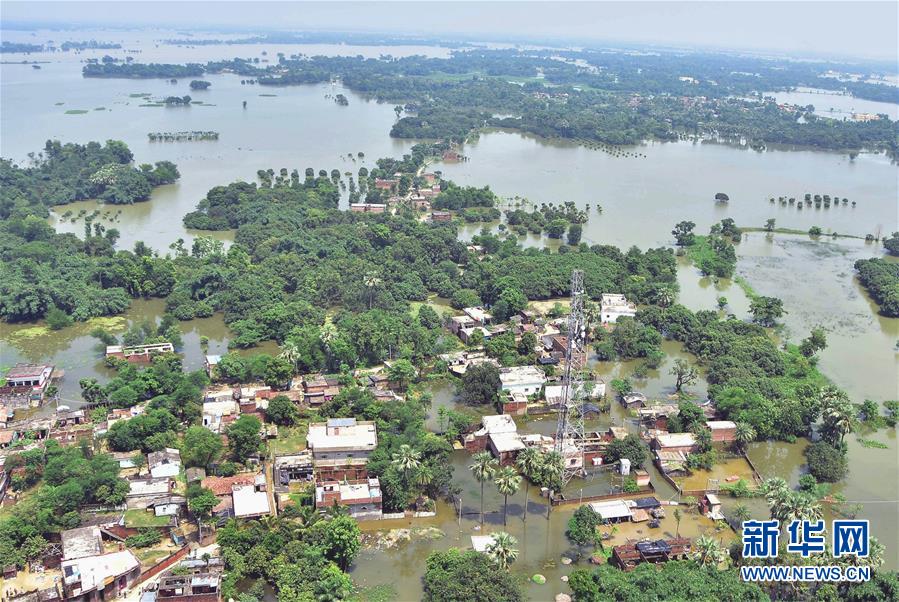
x: 836, y: 106
x: 642, y: 198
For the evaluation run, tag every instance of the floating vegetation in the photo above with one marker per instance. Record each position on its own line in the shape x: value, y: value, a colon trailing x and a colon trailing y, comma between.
x: 268, y: 95
x: 31, y: 332
x: 182, y: 136
x: 77, y: 111
x: 871, y: 444
x: 152, y: 104
x: 139, y: 95
x: 100, y: 108
x: 59, y: 104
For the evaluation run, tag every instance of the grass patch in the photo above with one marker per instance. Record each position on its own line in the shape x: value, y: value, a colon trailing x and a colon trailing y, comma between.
x: 385, y: 592
x: 137, y: 518
x: 31, y: 332
x: 747, y: 288
x: 77, y: 111
x: 871, y: 444
x: 290, y: 439
x: 150, y: 556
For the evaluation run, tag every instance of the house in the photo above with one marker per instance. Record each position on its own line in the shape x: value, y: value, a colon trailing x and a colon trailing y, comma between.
x: 165, y: 463
x: 223, y: 488
x: 614, y: 306
x: 33, y: 376
x: 210, y: 363
x: 293, y: 467
x: 459, y: 323
x: 441, y: 216
x: 383, y: 184
x: 710, y: 506
x: 168, y: 506
x: 368, y: 207
x: 143, y: 492
x: 656, y: 416
x: 522, y: 379
x: 73, y: 434
x: 459, y: 361
x: 478, y: 315
x: 723, y: 431
x: 592, y: 389
x: 218, y: 414
x: 70, y: 418
x: 632, y: 400
x: 672, y: 463
x: 641, y: 477
x: 499, y: 434
x: 341, y: 446
x: 193, y: 587
x: 613, y: 511
x: 515, y: 404
x: 319, y: 389
x: 675, y: 442
x: 139, y: 354
x: 82, y: 542
x: 360, y: 497
x: 126, y: 459
x: 99, y: 577
x: 250, y: 501
x: 628, y: 556
x: 467, y: 334
x: 505, y: 447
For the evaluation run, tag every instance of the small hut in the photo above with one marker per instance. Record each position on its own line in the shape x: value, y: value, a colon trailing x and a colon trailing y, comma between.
x: 721, y: 198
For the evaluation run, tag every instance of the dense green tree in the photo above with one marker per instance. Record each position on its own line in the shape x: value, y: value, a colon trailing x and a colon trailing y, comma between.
x: 201, y: 447
x: 243, y: 437
x: 456, y: 576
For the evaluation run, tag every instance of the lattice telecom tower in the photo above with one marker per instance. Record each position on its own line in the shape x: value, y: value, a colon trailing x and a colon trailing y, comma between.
x: 570, y: 430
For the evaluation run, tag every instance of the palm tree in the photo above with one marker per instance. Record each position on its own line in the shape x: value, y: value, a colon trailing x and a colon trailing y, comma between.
x: 290, y: 353
x: 308, y: 516
x: 483, y: 467
x: 707, y: 551
x: 677, y: 518
x: 553, y: 469
x: 744, y: 434
x: 406, y: 459
x: 423, y: 476
x: 530, y: 463
x: 837, y: 412
x: 507, y: 481
x: 741, y: 513
x: 503, y: 550
x: 371, y: 281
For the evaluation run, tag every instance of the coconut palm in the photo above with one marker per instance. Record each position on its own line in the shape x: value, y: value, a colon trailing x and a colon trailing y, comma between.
x: 406, y: 460
x: 371, y: 282
x: 507, y: 481
x: 290, y: 353
x: 530, y: 463
x: 553, y: 469
x: 837, y: 413
x: 707, y: 551
x: 483, y: 467
x: 423, y: 476
x: 744, y: 434
x: 503, y: 550
x: 677, y: 518
x: 741, y: 513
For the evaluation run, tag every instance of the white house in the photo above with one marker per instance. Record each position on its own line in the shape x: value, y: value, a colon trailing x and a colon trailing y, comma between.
x: 165, y: 463
x: 522, y: 379
x: 614, y: 306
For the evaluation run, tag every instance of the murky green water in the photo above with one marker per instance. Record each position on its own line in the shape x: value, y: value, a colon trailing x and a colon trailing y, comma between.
x: 642, y: 199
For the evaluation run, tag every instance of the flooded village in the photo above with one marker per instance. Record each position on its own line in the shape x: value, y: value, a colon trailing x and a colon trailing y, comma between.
x: 469, y: 356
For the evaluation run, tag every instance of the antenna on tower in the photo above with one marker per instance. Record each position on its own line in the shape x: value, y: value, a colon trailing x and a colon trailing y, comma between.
x: 570, y: 430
